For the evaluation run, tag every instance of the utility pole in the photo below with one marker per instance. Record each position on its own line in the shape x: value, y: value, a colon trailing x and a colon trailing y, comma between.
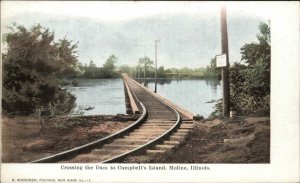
x: 225, y: 70
x: 145, y: 71
x: 139, y: 72
x: 144, y: 65
x: 155, y: 89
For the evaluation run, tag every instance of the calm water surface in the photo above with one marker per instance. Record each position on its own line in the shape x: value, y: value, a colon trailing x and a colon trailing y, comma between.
x: 107, y: 95
x: 191, y: 94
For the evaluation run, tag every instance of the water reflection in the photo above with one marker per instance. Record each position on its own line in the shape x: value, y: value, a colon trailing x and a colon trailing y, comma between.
x: 107, y: 95
x: 160, y: 81
x: 192, y: 94
x: 213, y: 83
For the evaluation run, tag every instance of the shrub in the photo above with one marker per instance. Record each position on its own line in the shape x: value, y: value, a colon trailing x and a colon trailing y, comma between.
x: 250, y: 81
x: 32, y: 68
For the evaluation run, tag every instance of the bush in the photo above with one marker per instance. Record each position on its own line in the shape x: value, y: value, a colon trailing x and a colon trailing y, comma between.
x: 249, y: 89
x: 250, y: 81
x: 32, y: 69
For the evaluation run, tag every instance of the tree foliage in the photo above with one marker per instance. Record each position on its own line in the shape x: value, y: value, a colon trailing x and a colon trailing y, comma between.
x: 212, y: 70
x: 91, y: 71
x: 145, y: 64
x: 251, y: 52
x: 32, y: 69
x: 250, y: 83
x: 131, y: 70
x: 110, y: 63
x: 109, y: 66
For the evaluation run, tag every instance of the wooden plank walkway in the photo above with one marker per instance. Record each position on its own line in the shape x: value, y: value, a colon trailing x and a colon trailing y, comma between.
x: 161, y: 127
x: 185, y: 114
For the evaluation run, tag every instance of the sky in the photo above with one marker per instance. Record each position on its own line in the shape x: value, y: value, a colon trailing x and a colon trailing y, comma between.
x: 188, y: 32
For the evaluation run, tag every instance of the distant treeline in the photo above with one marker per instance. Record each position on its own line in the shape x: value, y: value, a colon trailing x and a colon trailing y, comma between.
x: 110, y: 70
x: 182, y: 73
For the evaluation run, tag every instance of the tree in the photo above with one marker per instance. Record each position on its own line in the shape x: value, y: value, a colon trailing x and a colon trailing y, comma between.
x: 67, y: 58
x: 212, y: 70
x: 127, y: 69
x: 110, y: 63
x: 90, y: 70
x: 145, y: 63
x: 161, y: 72
x: 79, y: 68
x: 109, y: 66
x: 250, y: 83
x: 32, y: 68
x: 253, y: 52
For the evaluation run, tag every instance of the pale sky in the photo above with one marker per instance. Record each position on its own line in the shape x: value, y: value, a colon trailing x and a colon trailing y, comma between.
x: 189, y: 32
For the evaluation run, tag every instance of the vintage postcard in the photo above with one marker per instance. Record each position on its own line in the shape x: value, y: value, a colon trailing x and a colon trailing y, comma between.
x: 137, y: 91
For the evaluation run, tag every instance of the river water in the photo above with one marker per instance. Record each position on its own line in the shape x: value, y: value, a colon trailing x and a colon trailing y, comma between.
x: 107, y: 95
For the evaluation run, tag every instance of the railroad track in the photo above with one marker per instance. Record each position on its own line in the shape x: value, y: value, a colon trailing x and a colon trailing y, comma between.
x: 158, y: 129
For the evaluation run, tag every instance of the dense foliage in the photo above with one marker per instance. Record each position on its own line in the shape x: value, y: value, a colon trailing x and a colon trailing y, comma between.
x: 162, y: 72
x: 212, y: 71
x: 92, y: 71
x: 109, y: 66
x: 250, y: 79
x: 32, y: 68
x: 144, y: 64
x: 250, y: 84
x: 111, y: 70
x: 250, y: 88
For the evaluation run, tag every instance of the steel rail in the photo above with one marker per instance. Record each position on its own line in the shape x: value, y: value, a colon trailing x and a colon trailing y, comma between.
x: 110, y: 138
x: 152, y: 142
x: 102, y: 141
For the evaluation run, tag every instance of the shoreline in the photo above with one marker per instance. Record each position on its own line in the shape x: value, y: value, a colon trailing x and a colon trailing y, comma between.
x: 21, y: 142
x: 244, y: 140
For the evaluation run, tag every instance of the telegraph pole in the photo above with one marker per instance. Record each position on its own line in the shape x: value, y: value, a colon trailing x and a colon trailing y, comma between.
x: 138, y: 72
x: 144, y: 72
x: 144, y: 65
x: 155, y: 89
x: 225, y: 70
